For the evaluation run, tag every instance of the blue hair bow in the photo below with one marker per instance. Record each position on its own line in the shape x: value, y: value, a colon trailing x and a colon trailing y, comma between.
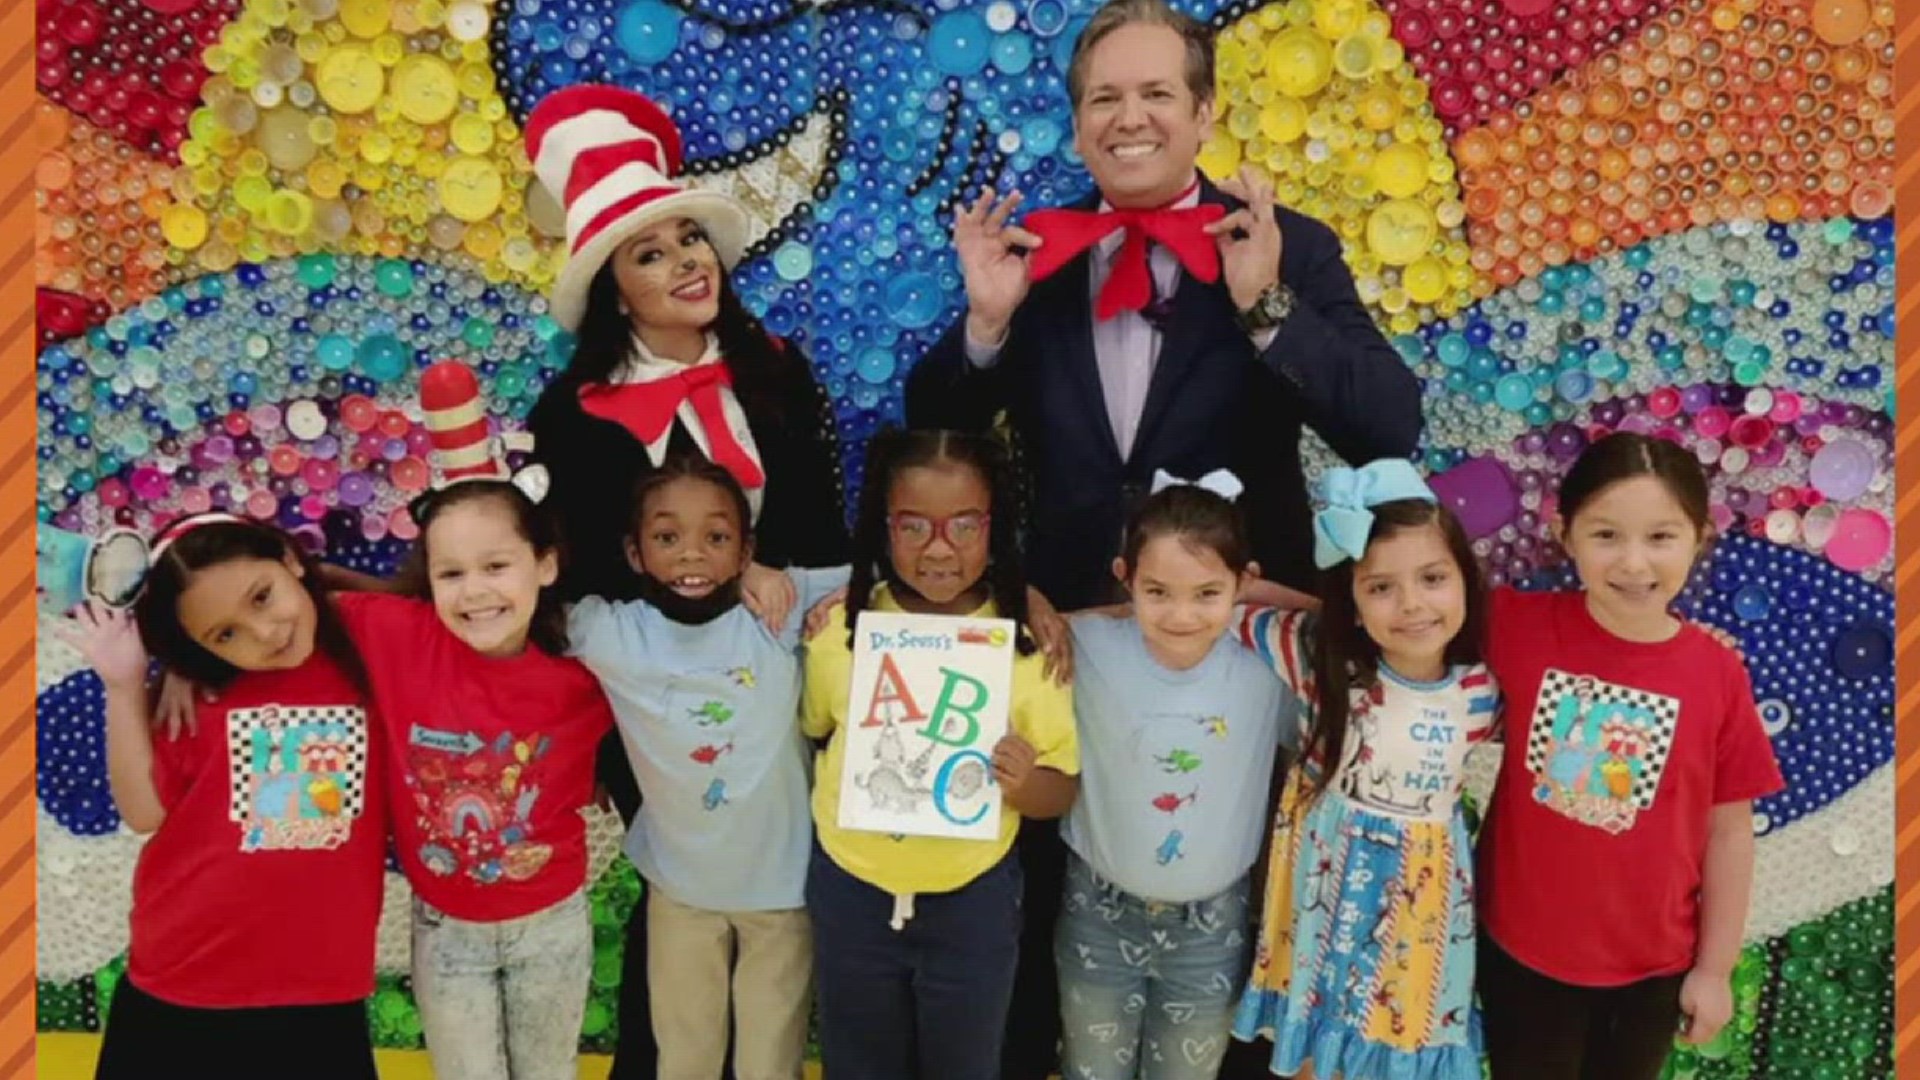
x: 1340, y: 531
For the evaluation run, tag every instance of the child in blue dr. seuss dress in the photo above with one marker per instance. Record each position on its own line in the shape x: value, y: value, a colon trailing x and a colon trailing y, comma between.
x: 1366, y: 957
x: 1178, y: 728
x: 707, y: 700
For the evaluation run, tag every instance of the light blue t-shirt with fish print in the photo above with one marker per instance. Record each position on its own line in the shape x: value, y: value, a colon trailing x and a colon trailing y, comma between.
x: 1175, y: 766
x: 709, y: 715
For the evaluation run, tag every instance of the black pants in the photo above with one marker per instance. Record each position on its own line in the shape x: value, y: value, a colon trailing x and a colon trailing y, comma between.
x: 635, y: 1055
x: 1032, y: 1047
x: 1542, y: 1029
x: 927, y: 1001
x: 151, y: 1039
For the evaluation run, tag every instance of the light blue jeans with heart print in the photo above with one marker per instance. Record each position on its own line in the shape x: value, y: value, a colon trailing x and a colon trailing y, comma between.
x: 1147, y: 990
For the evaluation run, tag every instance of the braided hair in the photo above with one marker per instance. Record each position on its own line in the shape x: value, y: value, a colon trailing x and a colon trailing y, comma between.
x: 893, y: 450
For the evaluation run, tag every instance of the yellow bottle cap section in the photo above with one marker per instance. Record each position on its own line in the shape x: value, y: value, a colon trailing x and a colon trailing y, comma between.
x: 1319, y: 97
x: 369, y: 127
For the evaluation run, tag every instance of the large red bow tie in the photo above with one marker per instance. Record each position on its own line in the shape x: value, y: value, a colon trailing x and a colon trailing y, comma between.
x: 646, y: 409
x: 1067, y: 233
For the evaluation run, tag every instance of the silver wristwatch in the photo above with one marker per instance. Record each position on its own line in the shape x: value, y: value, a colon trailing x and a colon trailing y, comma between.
x: 1269, y: 311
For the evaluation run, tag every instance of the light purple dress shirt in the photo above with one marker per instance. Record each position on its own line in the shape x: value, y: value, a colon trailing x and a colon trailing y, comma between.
x: 1126, y: 346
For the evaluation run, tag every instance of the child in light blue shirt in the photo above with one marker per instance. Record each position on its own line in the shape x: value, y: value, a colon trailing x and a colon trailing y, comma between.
x: 708, y: 713
x: 707, y: 703
x: 1175, y: 763
x: 1178, y: 727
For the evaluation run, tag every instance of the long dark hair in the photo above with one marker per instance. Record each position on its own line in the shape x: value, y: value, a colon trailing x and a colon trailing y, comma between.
x: 1345, y: 659
x: 548, y: 630
x: 208, y: 544
x: 604, y: 343
x: 892, y: 450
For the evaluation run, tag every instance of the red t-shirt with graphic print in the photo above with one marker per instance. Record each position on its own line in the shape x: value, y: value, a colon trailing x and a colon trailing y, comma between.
x: 262, y: 886
x: 1616, y: 754
x: 491, y: 760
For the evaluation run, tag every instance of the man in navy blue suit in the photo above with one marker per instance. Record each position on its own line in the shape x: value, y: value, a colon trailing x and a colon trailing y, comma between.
x: 1247, y: 328
x: 1165, y: 323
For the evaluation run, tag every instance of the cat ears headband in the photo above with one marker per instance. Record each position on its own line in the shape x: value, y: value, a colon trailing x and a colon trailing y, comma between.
x: 463, y: 448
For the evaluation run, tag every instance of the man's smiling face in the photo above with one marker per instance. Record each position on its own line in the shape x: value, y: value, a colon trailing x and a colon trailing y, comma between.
x: 1137, y: 125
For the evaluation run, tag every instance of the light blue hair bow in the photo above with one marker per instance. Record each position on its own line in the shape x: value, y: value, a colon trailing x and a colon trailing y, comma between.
x: 1219, y: 481
x: 1340, y: 530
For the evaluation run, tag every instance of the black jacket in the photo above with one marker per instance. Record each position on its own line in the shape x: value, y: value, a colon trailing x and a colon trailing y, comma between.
x: 595, y: 463
x: 1213, y: 402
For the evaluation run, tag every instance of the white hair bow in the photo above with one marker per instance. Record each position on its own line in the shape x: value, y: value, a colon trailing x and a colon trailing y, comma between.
x: 1220, y: 481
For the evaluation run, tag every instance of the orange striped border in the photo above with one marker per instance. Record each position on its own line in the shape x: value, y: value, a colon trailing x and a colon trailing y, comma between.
x: 1906, y: 1027
x: 19, y: 343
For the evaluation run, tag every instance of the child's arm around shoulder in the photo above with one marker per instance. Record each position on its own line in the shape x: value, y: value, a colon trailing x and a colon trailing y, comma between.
x: 819, y: 589
x: 1281, y: 637
x: 1037, y: 763
x: 1264, y: 593
x: 342, y: 580
x: 824, y: 672
x: 598, y: 630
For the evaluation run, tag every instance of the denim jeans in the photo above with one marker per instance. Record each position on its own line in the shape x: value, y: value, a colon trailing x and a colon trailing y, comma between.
x: 503, y: 1000
x: 1147, y: 989
x: 927, y: 1001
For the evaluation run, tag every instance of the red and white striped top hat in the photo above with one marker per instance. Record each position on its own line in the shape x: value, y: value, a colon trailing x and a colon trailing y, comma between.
x: 456, y: 417
x: 609, y: 156
x: 463, y: 446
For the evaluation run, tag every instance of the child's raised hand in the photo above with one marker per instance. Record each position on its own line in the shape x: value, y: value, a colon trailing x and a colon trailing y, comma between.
x: 769, y: 594
x: 1706, y: 1004
x: 1053, y: 635
x: 820, y: 612
x: 110, y: 642
x: 1013, y: 764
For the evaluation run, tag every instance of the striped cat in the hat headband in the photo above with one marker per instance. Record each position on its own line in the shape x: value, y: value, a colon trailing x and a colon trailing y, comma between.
x: 463, y: 448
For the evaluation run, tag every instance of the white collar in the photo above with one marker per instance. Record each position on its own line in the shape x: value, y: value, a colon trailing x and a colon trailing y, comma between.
x: 1111, y: 242
x: 646, y: 366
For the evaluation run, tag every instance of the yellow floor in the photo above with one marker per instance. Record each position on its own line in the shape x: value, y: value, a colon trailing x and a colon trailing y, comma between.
x: 71, y: 1057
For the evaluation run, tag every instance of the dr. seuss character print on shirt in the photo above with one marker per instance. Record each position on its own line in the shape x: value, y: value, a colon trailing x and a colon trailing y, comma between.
x: 1175, y: 764
x: 1412, y: 764
x: 1596, y: 750
x: 299, y: 774
x: 704, y: 704
x: 473, y: 800
x: 1179, y: 744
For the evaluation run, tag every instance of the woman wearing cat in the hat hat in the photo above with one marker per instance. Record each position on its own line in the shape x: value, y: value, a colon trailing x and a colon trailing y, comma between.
x: 668, y: 362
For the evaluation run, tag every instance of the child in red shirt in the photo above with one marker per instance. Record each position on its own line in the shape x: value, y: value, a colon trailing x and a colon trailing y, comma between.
x: 491, y: 734
x: 257, y: 900
x: 1617, y: 860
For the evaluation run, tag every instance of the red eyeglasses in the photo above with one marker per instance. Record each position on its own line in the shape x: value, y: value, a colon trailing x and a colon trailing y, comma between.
x: 959, y: 530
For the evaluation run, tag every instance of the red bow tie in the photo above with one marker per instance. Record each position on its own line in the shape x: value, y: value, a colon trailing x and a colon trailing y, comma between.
x: 1129, y: 284
x: 646, y: 409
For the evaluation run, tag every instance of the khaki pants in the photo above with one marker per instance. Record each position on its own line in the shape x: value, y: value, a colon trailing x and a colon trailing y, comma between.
x: 695, y: 957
